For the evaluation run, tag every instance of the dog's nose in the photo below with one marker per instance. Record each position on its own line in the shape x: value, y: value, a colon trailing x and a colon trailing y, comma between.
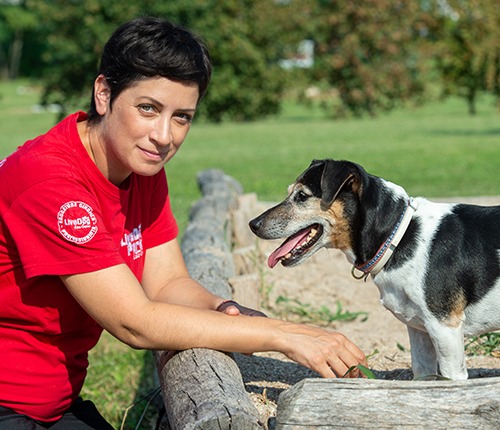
x: 255, y: 224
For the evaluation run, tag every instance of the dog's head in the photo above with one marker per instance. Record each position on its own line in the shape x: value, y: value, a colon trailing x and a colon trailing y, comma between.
x: 317, y: 212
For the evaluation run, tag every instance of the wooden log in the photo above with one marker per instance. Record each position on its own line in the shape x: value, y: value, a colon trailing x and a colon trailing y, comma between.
x: 362, y: 404
x: 203, y: 389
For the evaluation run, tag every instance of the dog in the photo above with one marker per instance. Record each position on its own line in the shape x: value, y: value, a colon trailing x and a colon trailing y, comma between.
x: 436, y: 265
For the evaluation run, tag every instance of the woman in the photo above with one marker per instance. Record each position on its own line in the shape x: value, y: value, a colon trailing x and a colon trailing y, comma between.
x: 88, y: 240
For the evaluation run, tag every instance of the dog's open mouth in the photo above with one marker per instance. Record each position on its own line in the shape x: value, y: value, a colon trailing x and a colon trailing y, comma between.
x: 295, y: 246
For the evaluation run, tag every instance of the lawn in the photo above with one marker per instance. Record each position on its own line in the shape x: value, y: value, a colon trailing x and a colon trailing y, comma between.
x: 435, y: 150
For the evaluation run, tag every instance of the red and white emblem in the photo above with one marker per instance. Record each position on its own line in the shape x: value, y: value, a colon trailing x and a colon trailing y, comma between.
x: 77, y: 222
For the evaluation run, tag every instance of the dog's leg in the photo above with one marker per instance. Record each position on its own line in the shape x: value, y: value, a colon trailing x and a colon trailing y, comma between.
x: 423, y: 354
x: 449, y: 345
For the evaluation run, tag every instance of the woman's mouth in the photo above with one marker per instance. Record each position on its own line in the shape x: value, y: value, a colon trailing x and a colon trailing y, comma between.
x: 154, y: 155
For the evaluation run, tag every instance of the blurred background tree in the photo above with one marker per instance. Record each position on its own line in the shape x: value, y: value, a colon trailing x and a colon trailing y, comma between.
x: 468, y: 49
x: 368, y: 54
x: 247, y: 82
x: 15, y: 21
x: 361, y: 58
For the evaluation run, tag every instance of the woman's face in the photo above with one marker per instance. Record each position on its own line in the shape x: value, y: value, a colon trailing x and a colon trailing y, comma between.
x: 144, y: 128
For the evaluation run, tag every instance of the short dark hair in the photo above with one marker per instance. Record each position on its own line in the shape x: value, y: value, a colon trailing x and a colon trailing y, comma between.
x: 150, y: 47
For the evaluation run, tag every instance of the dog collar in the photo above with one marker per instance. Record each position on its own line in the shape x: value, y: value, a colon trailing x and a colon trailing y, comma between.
x: 377, y: 263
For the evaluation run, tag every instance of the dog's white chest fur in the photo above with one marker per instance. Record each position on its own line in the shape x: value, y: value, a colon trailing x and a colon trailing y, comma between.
x: 403, y: 308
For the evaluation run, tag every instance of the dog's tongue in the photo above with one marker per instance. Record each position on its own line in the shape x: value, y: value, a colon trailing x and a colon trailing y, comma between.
x: 291, y: 243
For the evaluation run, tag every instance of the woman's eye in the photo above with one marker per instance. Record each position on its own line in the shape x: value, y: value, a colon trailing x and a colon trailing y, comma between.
x: 146, y: 108
x: 184, y: 118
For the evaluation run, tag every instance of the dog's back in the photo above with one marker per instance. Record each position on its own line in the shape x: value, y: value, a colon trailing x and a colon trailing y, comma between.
x: 464, y: 267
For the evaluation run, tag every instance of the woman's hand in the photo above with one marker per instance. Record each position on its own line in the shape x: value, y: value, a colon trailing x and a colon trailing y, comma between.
x: 331, y: 354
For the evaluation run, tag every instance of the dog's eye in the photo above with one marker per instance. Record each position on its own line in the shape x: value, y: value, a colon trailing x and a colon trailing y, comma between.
x: 301, y: 196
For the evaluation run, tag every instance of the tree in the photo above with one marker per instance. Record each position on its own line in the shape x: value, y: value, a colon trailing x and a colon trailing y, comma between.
x: 367, y: 52
x: 246, y: 39
x: 74, y: 34
x: 246, y: 83
x: 468, y: 55
x: 15, y: 20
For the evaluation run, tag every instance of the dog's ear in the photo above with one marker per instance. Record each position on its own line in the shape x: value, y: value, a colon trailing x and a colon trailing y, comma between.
x: 336, y: 175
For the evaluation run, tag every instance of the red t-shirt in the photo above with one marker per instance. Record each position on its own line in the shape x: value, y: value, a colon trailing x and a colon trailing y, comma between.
x: 59, y: 215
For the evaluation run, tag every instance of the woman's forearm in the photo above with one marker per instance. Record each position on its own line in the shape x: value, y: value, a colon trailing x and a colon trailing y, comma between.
x: 328, y: 353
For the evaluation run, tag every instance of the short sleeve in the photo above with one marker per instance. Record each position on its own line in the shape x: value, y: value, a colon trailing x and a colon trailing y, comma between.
x: 58, y: 229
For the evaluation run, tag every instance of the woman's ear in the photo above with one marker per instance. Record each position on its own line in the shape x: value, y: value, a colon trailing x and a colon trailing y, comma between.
x: 102, y: 95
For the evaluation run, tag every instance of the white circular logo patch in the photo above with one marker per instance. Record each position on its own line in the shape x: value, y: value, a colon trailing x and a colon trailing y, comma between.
x: 77, y: 222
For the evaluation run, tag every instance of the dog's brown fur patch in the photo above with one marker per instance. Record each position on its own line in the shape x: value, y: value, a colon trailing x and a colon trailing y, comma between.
x: 456, y: 316
x: 341, y: 233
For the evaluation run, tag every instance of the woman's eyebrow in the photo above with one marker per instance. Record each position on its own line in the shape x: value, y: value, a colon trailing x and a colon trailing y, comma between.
x: 160, y: 104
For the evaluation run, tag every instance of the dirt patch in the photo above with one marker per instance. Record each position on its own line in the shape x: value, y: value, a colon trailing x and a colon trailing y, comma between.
x: 325, y: 281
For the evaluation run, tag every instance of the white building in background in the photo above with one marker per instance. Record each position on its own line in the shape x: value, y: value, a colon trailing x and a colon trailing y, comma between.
x: 303, y: 58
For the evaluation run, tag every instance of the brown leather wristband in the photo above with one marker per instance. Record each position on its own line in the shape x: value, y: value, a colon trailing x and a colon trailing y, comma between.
x: 243, y: 310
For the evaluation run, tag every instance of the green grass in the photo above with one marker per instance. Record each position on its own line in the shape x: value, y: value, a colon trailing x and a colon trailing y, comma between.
x: 435, y: 150
x: 20, y: 119
x: 118, y: 377
x: 295, y: 310
x: 484, y: 344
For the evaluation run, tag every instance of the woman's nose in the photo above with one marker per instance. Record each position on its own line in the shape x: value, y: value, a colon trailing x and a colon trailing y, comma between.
x: 162, y: 134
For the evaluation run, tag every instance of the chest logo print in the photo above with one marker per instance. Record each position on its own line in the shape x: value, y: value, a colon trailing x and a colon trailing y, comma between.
x: 133, y: 243
x: 77, y: 222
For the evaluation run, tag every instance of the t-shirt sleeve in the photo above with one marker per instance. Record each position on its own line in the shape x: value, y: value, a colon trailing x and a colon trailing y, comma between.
x: 58, y: 229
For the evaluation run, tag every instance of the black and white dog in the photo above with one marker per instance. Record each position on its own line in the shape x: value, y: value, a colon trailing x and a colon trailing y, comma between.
x: 437, y: 265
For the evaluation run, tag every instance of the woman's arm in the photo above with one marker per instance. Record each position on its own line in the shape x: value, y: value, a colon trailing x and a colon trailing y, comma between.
x: 166, y: 279
x: 172, y: 312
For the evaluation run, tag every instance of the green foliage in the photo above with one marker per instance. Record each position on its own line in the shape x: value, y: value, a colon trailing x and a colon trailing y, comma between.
x: 19, y: 118
x: 245, y: 85
x: 322, y: 315
x: 484, y: 344
x: 368, y: 54
x: 120, y: 381
x: 14, y: 22
x: 367, y: 373
x: 74, y: 34
x: 468, y: 51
